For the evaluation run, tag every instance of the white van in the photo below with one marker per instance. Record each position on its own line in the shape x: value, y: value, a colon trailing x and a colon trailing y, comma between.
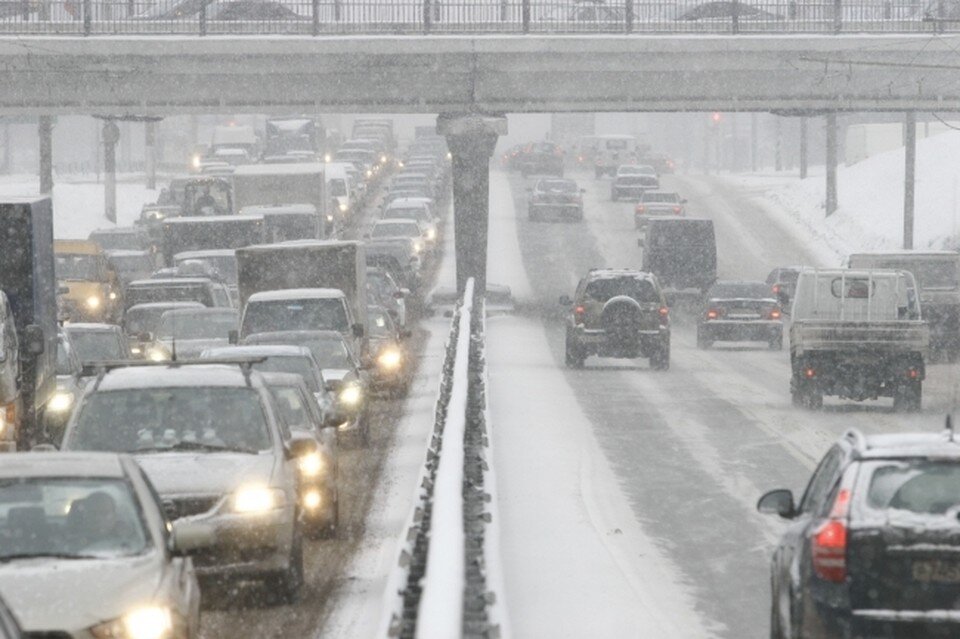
x: 611, y: 151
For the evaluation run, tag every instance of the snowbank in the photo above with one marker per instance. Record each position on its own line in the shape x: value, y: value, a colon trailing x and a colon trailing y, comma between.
x: 870, y: 213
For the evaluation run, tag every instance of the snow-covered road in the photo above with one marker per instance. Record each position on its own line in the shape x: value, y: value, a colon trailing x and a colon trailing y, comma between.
x: 687, y: 452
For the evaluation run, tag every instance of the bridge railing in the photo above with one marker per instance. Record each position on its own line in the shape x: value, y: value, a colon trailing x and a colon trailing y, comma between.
x: 333, y: 17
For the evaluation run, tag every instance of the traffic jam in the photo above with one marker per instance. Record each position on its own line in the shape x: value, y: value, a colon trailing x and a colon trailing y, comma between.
x: 185, y: 385
x: 181, y: 399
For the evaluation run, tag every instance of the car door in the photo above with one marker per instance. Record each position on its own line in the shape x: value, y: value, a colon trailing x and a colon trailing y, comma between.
x: 790, y: 556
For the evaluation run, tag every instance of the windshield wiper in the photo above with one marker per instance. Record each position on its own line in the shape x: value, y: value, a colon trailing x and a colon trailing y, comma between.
x: 215, y: 447
x: 45, y: 555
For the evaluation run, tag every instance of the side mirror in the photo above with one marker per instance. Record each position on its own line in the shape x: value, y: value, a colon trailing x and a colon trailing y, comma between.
x: 233, y: 336
x: 189, y: 537
x: 357, y: 330
x: 301, y: 446
x: 33, y: 336
x: 565, y: 300
x: 777, y: 502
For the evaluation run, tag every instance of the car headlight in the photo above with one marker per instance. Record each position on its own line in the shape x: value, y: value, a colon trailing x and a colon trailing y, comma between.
x: 383, y: 159
x: 418, y: 246
x: 312, y: 499
x: 158, y: 354
x: 311, y: 465
x: 343, y: 207
x: 351, y: 395
x: 369, y: 173
x: 112, y: 295
x: 389, y: 359
x: 60, y: 402
x: 431, y: 234
x: 93, y: 302
x: 327, y: 158
x: 329, y: 218
x: 195, y: 162
x: 148, y: 622
x: 136, y: 350
x: 257, y: 500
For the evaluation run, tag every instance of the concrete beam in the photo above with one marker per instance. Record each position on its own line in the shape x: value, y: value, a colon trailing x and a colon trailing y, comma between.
x: 497, y: 74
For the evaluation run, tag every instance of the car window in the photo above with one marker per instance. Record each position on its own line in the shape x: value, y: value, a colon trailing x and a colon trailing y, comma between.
x: 821, y: 482
x: 94, y: 346
x: 913, y: 487
x: 295, y: 315
x: 642, y: 290
x: 293, y: 411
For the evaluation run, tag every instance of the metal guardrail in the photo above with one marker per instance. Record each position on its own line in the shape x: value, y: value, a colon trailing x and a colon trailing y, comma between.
x: 447, y: 578
x: 398, y: 17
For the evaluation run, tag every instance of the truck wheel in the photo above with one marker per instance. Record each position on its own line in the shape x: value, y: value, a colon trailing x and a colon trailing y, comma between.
x: 660, y: 360
x: 813, y: 396
x: 288, y: 583
x: 908, y: 396
x: 702, y: 342
x: 776, y: 344
x: 574, y: 355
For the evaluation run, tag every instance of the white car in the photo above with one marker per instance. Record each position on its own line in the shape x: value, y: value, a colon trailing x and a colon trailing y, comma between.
x: 404, y: 228
x: 86, y: 551
x: 413, y: 209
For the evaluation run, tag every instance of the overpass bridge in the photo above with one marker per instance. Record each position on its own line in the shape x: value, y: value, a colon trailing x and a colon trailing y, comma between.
x: 473, y: 77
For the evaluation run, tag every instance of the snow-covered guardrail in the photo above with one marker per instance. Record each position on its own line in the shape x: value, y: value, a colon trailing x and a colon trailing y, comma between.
x: 447, y: 579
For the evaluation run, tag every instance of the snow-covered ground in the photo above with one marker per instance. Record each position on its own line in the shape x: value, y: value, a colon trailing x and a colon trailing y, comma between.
x: 78, y: 203
x: 870, y: 193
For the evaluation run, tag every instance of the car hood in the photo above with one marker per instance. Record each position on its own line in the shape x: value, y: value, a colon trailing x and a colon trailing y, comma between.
x: 74, y: 594
x: 198, y: 473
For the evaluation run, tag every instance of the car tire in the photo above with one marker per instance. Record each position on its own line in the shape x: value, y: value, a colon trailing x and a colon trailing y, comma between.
x: 908, y: 396
x: 288, y: 585
x: 574, y: 356
x: 776, y: 627
x: 660, y: 359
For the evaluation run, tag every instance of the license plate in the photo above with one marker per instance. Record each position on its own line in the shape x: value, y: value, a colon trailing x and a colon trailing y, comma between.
x: 936, y: 571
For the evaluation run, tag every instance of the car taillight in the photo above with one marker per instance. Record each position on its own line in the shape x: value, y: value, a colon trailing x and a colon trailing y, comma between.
x: 776, y: 289
x: 828, y: 545
x: 640, y: 208
x: 714, y: 313
x: 676, y: 209
x: 774, y: 314
x: 578, y: 314
x: 664, y: 315
x: 913, y: 373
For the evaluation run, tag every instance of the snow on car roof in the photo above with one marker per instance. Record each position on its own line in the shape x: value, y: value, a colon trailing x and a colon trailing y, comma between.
x: 187, y: 255
x: 294, y: 244
x: 268, y: 335
x: 126, y: 253
x: 61, y: 464
x: 910, y: 444
x: 173, y: 375
x: 296, y: 294
x: 217, y: 219
x: 170, y: 281
x: 395, y: 221
x: 408, y: 202
x: 263, y: 209
x: 605, y: 273
x: 90, y: 327
x: 257, y: 350
x: 167, y: 305
x: 904, y: 253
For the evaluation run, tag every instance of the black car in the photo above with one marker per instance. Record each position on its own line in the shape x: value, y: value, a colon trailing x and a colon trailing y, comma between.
x: 783, y: 283
x: 541, y: 158
x: 873, y: 547
x: 740, y: 312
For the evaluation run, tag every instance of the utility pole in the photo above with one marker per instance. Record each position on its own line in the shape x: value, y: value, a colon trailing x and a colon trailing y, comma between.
x: 111, y: 135
x: 831, y: 200
x: 803, y: 147
x: 777, y: 145
x: 909, y: 176
x: 45, y: 129
x: 150, y: 152
x: 753, y: 142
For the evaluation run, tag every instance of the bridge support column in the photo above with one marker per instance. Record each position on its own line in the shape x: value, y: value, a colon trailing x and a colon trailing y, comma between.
x: 45, y: 130
x: 909, y: 179
x: 111, y: 135
x: 803, y: 147
x: 471, y: 139
x: 831, y: 200
x: 150, y: 153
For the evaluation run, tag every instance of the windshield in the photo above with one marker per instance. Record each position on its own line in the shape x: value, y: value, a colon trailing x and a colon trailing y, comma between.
x: 557, y: 186
x: 380, y: 324
x: 294, y: 364
x: 167, y: 293
x: 158, y: 419
x: 338, y: 187
x: 290, y: 402
x: 190, y: 325
x: 69, y: 517
x: 405, y: 213
x: 97, y: 346
x: 741, y: 290
x: 329, y: 352
x: 641, y: 290
x: 77, y: 267
x: 395, y: 230
x: 660, y: 197
x: 295, y: 315
x: 224, y: 265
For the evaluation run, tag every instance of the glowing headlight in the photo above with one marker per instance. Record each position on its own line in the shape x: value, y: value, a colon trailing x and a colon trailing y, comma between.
x: 369, y: 173
x: 311, y: 465
x: 327, y: 157
x: 343, y: 207
x: 257, y: 499
x: 312, y: 500
x: 383, y: 158
x: 60, y: 402
x: 431, y: 234
x: 351, y: 395
x: 329, y: 218
x: 449, y: 155
x: 389, y: 359
x: 158, y: 355
x: 195, y: 162
x: 417, y: 246
x: 135, y: 350
x: 93, y: 302
x: 112, y: 295
x: 149, y: 622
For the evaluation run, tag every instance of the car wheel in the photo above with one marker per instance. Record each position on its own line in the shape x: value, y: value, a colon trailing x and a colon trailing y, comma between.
x: 908, y: 396
x: 776, y: 627
x: 289, y: 583
x: 660, y: 360
x: 574, y: 357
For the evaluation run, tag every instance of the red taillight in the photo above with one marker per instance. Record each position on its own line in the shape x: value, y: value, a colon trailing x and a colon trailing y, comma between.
x: 640, y: 208
x: 828, y: 544
x: 676, y: 209
x: 776, y: 288
x: 810, y: 373
x: 913, y: 373
x: 712, y: 314
x: 664, y: 315
x: 775, y: 314
x: 578, y: 314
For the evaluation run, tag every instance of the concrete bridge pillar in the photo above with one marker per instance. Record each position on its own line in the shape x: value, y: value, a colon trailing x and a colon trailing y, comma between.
x: 471, y: 139
x: 45, y: 127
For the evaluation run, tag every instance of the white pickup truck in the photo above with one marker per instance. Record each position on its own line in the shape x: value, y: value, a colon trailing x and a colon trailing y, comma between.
x: 857, y: 334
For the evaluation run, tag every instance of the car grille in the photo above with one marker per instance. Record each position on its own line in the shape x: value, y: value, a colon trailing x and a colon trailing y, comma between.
x: 178, y: 507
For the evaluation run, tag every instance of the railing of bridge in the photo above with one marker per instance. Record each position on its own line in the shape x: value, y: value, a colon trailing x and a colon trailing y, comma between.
x: 398, y: 17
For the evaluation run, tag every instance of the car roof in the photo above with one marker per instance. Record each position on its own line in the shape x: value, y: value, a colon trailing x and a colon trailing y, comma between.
x: 407, y: 202
x: 257, y: 350
x: 905, y: 253
x: 201, y: 310
x: 658, y: 192
x: 199, y: 255
x: 170, y: 281
x: 127, y: 253
x: 165, y: 305
x: 283, y: 379
x: 296, y: 294
x: 899, y: 445
x: 217, y: 219
x: 395, y: 221
x: 331, y: 335
x: 609, y: 273
x: 174, y: 375
x: 62, y: 464
x: 90, y: 327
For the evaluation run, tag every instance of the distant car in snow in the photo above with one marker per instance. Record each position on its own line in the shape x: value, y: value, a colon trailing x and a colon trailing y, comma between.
x: 740, y: 311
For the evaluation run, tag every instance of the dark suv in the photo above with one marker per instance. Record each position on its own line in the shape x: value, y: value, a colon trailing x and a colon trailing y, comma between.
x: 618, y: 313
x: 541, y: 158
x: 873, y: 547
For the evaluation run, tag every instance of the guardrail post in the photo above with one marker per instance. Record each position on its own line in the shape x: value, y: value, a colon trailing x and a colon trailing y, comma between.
x: 427, y: 16
x: 315, y: 14
x: 525, y: 15
x: 628, y: 16
x: 203, y: 19
x: 837, y: 16
x: 87, y: 16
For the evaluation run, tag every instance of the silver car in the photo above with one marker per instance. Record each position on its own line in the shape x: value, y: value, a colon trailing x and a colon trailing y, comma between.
x: 86, y: 550
x: 209, y: 438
